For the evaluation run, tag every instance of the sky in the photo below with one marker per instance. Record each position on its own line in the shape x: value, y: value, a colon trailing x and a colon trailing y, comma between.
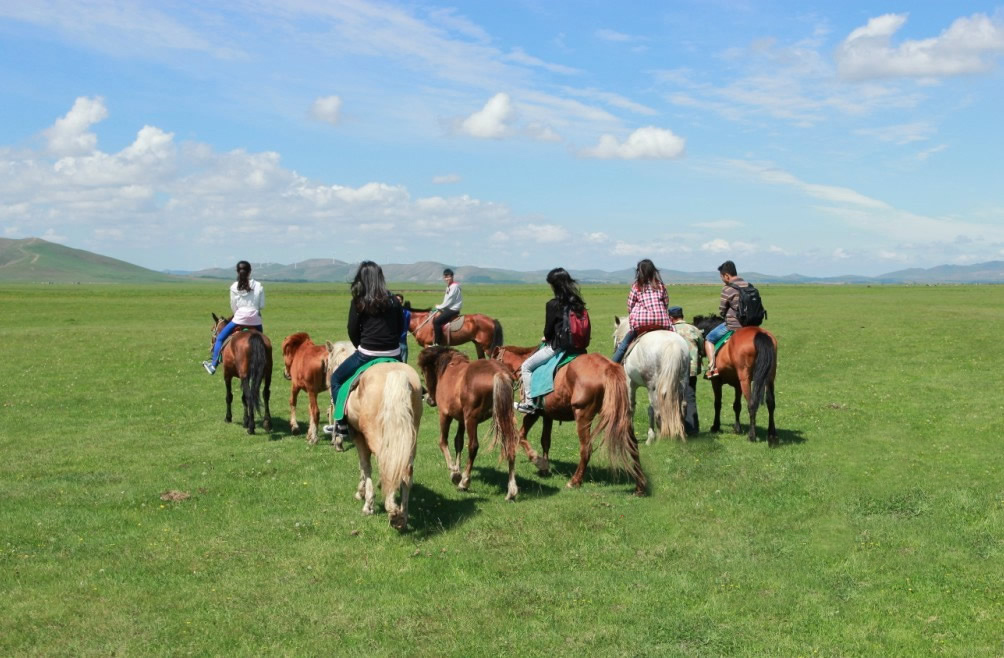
x: 805, y: 137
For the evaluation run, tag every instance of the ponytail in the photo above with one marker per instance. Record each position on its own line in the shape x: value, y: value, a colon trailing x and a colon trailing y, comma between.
x: 244, y: 276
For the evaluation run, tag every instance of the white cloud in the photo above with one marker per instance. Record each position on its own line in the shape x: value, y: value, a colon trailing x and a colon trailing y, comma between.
x: 720, y: 246
x: 539, y: 233
x: 885, y: 254
x: 774, y: 249
x: 617, y: 37
x: 772, y: 175
x: 904, y: 133
x: 719, y: 225
x: 518, y: 56
x: 926, y: 153
x: 597, y: 237
x: 542, y: 133
x: 69, y: 135
x: 446, y: 179
x: 491, y: 121
x: 327, y: 109
x: 840, y: 254
x: 614, y: 100
x: 650, y: 248
x: 966, y: 46
x: 648, y: 142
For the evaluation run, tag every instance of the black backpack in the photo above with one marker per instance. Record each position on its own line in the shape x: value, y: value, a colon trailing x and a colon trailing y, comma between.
x: 751, y: 312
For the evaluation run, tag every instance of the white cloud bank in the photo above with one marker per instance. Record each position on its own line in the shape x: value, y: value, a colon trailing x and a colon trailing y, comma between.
x: 69, y: 135
x: 492, y: 120
x: 645, y: 143
x: 327, y: 109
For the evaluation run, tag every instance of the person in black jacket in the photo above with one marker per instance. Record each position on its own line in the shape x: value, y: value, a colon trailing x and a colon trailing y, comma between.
x: 375, y: 326
x: 566, y: 295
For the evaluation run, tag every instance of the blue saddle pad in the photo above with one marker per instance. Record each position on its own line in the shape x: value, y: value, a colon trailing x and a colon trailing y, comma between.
x: 542, y: 379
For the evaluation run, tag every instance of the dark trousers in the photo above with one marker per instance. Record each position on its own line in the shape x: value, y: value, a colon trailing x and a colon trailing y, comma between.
x: 443, y: 317
x: 691, y: 423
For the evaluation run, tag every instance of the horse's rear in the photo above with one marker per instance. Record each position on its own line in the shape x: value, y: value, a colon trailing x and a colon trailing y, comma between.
x: 748, y: 361
x: 304, y: 367
x: 248, y: 356
x: 384, y: 411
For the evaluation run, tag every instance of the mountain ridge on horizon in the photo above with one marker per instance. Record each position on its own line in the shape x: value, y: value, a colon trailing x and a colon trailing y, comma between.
x: 38, y: 260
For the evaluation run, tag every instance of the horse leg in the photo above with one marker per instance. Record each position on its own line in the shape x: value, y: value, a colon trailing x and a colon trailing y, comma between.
x: 472, y: 450
x: 248, y: 405
x: 266, y: 421
x: 230, y: 398
x: 544, y: 465
x: 365, y: 490
x: 652, y: 426
x: 582, y: 423
x: 315, y: 417
x: 524, y: 431
x: 737, y: 406
x: 480, y: 349
x: 771, y: 430
x: 399, y: 518
x: 294, y: 428
x: 444, y: 446
x: 716, y: 387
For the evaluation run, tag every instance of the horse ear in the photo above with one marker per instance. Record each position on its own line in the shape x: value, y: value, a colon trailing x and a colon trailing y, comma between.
x: 215, y: 319
x: 617, y: 320
x: 331, y: 346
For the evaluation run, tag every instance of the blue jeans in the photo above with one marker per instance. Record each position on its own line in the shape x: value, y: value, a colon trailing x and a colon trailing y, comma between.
x: 404, y: 351
x: 716, y: 334
x: 222, y: 338
x: 347, y: 368
x: 535, y: 360
x: 622, y: 347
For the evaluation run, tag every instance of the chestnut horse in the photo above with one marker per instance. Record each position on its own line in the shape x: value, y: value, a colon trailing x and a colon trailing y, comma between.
x: 383, y: 412
x: 592, y: 385
x: 483, y: 331
x: 248, y: 356
x: 305, y: 368
x: 748, y: 363
x: 470, y: 392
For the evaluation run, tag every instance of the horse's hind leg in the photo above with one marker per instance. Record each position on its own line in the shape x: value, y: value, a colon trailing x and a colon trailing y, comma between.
x: 716, y: 387
x: 294, y: 427
x: 315, y: 417
x: 472, y: 451
x: 246, y: 394
x: 737, y: 407
x: 230, y: 399
x: 585, y: 448
x: 444, y: 446
x: 365, y: 490
x: 266, y: 422
x: 771, y: 430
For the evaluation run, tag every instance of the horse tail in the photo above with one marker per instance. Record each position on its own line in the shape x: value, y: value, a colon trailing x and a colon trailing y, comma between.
x: 764, y: 364
x: 398, y: 431
x: 503, y: 424
x: 496, y: 337
x: 256, y: 368
x: 617, y: 425
x: 670, y: 393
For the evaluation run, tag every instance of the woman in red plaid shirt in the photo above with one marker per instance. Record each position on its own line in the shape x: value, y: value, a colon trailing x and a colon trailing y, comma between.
x: 647, y: 304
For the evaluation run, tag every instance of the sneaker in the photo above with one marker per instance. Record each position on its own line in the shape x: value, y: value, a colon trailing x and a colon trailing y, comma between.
x: 525, y: 408
x: 210, y: 368
x: 711, y: 374
x: 339, y: 428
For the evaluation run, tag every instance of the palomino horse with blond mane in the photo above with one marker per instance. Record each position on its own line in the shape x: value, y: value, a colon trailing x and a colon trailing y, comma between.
x: 748, y: 363
x: 659, y: 360
x: 485, y: 332
x: 470, y: 392
x: 590, y: 386
x: 383, y: 412
x: 246, y: 355
x: 304, y: 365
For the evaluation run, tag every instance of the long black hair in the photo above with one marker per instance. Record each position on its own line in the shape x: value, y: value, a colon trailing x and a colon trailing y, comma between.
x: 369, y: 289
x: 244, y: 275
x: 566, y: 289
x: 647, y: 274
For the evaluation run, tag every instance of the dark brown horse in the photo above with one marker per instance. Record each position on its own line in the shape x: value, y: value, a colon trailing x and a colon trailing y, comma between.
x: 246, y: 355
x: 304, y: 367
x: 483, y: 331
x: 470, y: 392
x: 748, y: 363
x: 592, y: 385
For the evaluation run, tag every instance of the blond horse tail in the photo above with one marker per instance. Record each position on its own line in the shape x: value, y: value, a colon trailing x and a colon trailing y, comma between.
x: 398, y: 433
x: 503, y: 424
x: 616, y: 423
x: 670, y: 393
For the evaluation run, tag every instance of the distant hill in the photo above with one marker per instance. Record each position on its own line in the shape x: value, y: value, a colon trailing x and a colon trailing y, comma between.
x: 991, y: 272
x: 36, y: 260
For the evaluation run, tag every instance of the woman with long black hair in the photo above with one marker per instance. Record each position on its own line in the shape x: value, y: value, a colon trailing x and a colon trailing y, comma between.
x: 375, y: 326
x: 247, y: 299
x: 566, y: 296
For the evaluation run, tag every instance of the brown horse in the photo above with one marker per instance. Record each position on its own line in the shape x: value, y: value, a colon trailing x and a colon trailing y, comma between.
x: 592, y: 385
x: 483, y: 331
x: 383, y: 412
x: 305, y: 368
x: 748, y: 363
x: 470, y: 392
x: 248, y: 356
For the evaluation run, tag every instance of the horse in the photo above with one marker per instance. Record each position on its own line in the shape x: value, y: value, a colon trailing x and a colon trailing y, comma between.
x: 305, y: 368
x: 247, y: 355
x: 485, y: 332
x: 748, y: 363
x: 659, y: 361
x: 470, y: 392
x: 591, y: 385
x: 383, y: 412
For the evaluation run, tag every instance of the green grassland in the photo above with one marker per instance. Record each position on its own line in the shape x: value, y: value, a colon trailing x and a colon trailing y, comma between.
x: 876, y: 528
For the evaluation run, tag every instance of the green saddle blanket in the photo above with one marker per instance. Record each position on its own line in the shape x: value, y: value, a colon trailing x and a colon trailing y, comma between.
x: 724, y: 339
x: 346, y: 388
x: 542, y: 378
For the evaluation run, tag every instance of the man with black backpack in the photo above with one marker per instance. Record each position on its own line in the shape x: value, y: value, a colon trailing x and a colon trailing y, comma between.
x: 739, y: 304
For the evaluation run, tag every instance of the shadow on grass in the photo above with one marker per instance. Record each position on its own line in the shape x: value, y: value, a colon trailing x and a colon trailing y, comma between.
x: 600, y: 473
x: 431, y: 513
x: 499, y: 478
x: 785, y: 437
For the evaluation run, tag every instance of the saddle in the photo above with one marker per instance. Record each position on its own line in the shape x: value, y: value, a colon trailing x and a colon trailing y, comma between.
x: 724, y: 339
x: 353, y: 382
x: 456, y: 324
x: 542, y: 378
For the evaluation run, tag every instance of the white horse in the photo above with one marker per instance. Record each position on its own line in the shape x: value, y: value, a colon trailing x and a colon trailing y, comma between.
x: 383, y: 413
x: 659, y: 361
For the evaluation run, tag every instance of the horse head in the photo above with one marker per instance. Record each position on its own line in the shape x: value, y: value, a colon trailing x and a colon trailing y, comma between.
x: 337, y: 352
x: 621, y: 327
x: 432, y: 361
x: 218, y: 323
x: 289, y: 347
x: 707, y: 322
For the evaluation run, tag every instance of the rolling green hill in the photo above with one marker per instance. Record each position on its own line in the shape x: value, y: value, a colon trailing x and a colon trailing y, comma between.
x: 36, y: 260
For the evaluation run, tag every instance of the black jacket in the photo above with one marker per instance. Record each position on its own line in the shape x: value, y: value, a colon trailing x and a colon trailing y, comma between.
x: 378, y: 332
x: 554, y: 312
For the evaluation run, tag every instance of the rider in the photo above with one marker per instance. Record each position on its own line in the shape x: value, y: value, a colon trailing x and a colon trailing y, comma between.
x: 375, y: 324
x: 453, y: 300
x: 695, y: 341
x: 247, y: 299
x: 566, y: 295
x: 728, y: 308
x: 646, y: 303
x: 406, y: 313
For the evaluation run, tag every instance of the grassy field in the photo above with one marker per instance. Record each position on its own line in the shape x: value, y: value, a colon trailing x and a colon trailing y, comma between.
x: 876, y: 528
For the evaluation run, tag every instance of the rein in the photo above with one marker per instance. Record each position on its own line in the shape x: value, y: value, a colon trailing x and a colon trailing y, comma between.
x: 426, y: 320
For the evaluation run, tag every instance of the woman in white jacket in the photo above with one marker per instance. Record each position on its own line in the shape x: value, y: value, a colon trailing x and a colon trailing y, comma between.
x: 247, y: 299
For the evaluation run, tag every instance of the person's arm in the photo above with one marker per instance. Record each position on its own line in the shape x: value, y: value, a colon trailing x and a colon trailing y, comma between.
x: 632, y: 299
x: 353, y: 325
x: 451, y: 297
x: 723, y: 302
x: 398, y: 315
x: 261, y: 298
x: 550, y: 319
x: 233, y: 299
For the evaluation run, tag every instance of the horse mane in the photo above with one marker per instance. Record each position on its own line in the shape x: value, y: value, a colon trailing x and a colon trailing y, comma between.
x: 293, y: 342
x: 520, y: 350
x: 707, y: 322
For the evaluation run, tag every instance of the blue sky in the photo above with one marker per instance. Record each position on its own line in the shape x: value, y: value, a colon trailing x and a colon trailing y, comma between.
x: 825, y: 138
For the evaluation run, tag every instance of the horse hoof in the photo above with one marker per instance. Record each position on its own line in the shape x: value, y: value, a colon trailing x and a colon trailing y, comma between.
x: 267, y: 426
x: 228, y: 419
x: 455, y: 478
x: 464, y: 486
x: 294, y: 429
x: 510, y: 498
x: 572, y: 484
x: 399, y: 522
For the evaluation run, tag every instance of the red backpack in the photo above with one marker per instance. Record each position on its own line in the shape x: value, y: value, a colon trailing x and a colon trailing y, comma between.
x: 575, y: 330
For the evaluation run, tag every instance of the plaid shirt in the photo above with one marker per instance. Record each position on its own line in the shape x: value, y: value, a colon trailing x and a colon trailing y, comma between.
x: 648, y: 307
